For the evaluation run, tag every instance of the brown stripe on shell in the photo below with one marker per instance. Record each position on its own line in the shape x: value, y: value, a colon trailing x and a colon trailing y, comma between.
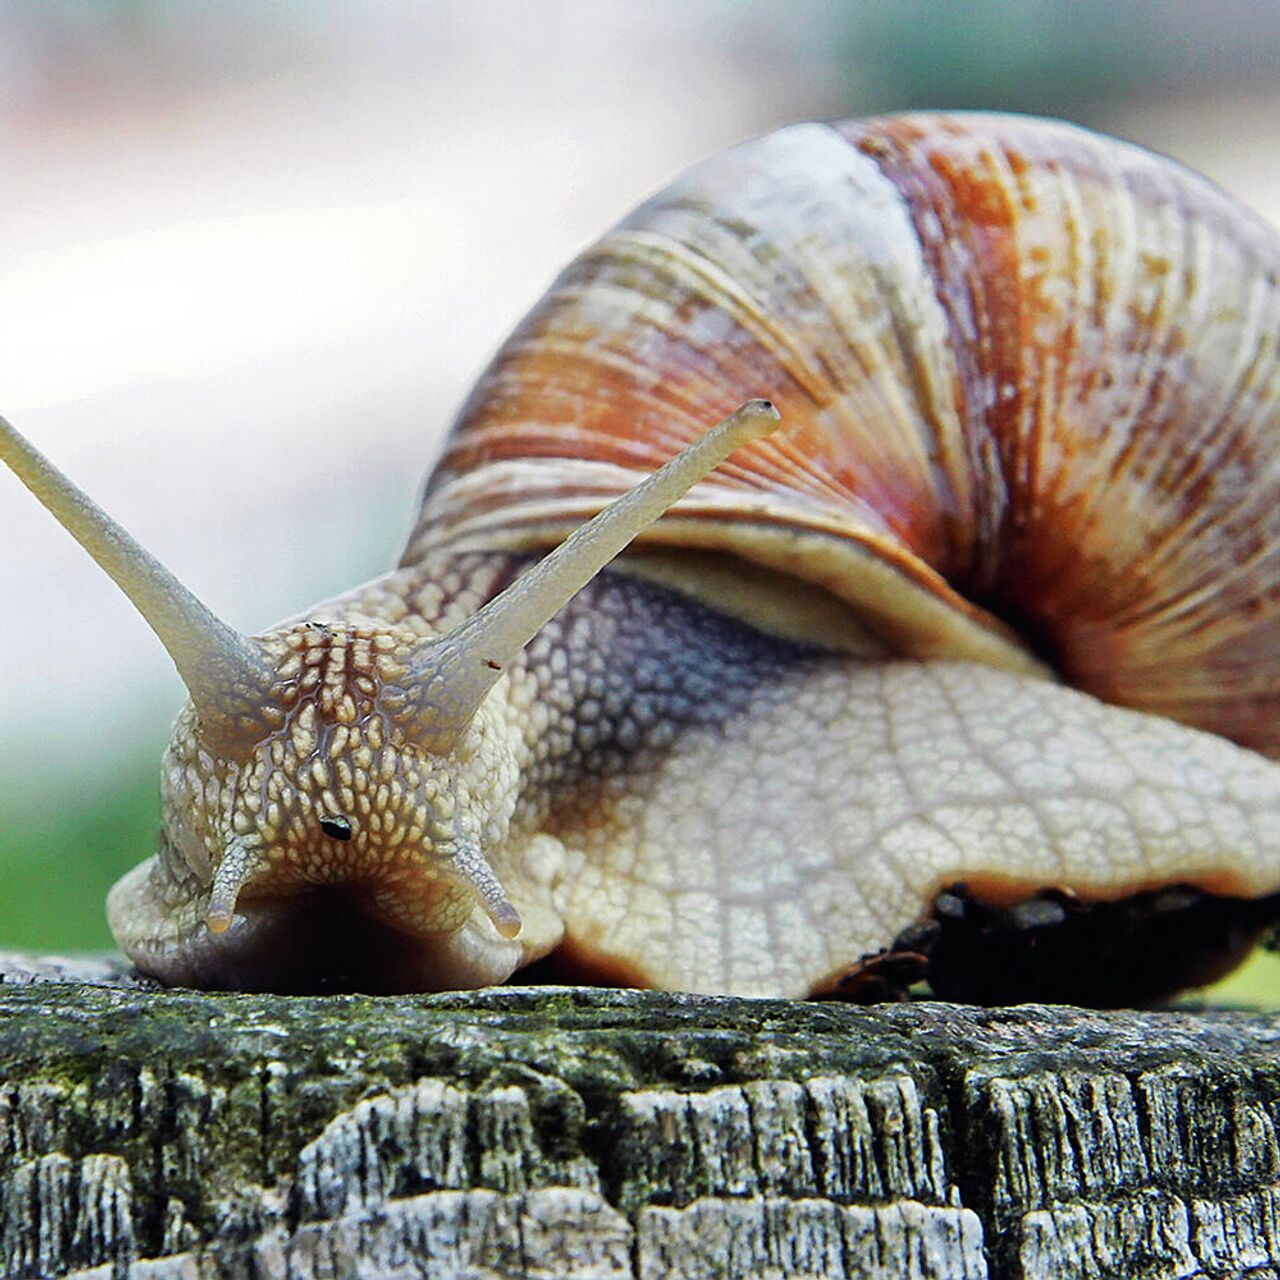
x: 1126, y: 316
x: 741, y: 276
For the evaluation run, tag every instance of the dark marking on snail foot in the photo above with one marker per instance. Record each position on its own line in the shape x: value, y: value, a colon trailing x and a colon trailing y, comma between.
x: 1055, y: 948
x: 573, y: 965
x: 883, y: 977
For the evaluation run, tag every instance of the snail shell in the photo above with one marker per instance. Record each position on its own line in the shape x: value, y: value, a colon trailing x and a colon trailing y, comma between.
x: 998, y: 606
x: 1029, y: 379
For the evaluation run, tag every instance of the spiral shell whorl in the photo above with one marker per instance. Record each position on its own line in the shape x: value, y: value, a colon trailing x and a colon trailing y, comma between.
x: 1029, y: 376
x: 1129, y: 382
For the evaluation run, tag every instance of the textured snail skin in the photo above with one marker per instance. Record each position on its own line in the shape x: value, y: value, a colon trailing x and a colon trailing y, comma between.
x: 997, y: 605
x: 688, y: 803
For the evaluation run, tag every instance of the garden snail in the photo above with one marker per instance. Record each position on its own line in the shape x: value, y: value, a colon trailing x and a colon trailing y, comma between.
x: 997, y: 605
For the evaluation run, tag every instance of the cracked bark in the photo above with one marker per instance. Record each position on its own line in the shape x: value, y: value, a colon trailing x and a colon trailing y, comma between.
x: 567, y: 1134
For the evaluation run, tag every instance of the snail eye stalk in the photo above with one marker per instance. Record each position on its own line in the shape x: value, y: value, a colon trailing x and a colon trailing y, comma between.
x: 456, y: 671
x: 227, y: 674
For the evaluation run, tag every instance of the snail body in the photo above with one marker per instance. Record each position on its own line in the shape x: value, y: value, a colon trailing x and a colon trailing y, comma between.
x: 996, y: 605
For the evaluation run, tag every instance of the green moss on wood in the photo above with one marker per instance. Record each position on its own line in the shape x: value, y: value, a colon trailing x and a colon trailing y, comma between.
x: 232, y: 1117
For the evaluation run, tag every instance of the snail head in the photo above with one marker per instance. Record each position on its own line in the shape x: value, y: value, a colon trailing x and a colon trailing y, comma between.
x: 332, y: 786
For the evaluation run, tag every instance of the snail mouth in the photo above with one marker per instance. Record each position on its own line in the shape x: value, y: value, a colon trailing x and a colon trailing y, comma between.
x: 328, y: 939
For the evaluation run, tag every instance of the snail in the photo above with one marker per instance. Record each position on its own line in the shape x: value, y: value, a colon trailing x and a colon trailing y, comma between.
x: 968, y: 671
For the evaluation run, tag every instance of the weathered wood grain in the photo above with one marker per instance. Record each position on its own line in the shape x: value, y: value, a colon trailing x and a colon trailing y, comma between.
x: 575, y: 1134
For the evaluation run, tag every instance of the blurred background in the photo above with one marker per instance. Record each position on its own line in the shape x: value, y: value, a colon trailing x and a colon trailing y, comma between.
x: 253, y: 254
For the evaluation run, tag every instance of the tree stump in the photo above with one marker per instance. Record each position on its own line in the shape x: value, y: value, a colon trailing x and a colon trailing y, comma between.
x: 589, y: 1134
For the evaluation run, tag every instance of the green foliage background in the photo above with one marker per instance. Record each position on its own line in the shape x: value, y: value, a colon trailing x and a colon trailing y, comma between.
x: 59, y: 864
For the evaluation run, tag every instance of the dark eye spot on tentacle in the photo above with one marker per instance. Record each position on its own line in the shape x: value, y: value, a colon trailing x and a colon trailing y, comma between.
x: 337, y: 826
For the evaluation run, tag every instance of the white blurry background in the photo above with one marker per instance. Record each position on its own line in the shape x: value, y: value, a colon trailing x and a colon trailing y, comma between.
x: 253, y: 254
x: 251, y: 259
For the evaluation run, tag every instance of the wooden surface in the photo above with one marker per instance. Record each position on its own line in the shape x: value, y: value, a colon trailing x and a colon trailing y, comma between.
x: 571, y: 1133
